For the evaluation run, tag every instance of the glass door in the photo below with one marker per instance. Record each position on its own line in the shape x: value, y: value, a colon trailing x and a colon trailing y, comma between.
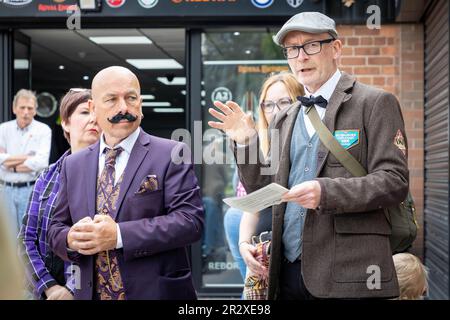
x: 62, y: 59
x: 234, y: 66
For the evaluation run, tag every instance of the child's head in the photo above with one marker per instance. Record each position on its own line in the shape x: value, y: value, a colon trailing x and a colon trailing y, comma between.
x: 412, y: 276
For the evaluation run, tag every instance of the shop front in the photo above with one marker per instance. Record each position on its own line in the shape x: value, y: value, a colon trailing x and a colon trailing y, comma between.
x: 186, y: 54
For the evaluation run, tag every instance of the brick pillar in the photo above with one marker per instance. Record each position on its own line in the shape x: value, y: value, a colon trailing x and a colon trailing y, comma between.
x: 392, y: 58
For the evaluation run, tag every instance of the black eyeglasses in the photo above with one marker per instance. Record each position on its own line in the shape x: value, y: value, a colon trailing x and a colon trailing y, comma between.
x: 268, y: 105
x: 309, y: 48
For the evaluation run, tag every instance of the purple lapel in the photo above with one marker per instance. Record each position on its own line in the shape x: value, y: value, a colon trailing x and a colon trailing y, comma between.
x: 91, y: 174
x: 137, y: 155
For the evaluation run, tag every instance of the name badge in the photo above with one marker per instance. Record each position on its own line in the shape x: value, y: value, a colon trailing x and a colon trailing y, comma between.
x: 347, y: 138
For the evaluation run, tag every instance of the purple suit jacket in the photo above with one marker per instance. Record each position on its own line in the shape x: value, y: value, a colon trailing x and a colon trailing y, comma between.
x: 156, y: 226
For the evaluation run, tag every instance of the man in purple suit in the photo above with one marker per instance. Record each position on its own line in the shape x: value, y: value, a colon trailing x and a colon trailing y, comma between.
x: 126, y: 211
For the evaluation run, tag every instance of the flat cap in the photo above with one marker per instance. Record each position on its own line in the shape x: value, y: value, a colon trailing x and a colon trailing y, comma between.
x: 310, y: 22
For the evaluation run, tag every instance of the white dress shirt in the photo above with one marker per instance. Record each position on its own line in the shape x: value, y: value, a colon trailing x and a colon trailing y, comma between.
x: 34, y: 140
x: 121, y: 163
x: 122, y: 159
x: 326, y: 90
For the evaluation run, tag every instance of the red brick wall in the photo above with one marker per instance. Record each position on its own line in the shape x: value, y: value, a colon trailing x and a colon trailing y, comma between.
x: 392, y: 58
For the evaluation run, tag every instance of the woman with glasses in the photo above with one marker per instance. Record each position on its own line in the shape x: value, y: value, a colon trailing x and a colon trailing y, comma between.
x: 46, y: 271
x: 279, y: 91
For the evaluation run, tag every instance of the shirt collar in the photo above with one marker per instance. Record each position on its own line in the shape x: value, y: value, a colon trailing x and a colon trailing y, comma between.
x: 127, y: 144
x: 327, y: 89
x: 28, y: 127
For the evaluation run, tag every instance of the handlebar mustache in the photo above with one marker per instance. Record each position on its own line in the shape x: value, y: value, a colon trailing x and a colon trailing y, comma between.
x: 127, y: 116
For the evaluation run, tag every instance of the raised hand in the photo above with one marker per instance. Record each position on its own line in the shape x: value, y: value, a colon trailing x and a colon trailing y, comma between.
x: 237, y: 125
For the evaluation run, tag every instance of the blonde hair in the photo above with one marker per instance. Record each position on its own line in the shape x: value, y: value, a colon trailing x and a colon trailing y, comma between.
x: 412, y: 276
x: 294, y: 88
x: 26, y: 94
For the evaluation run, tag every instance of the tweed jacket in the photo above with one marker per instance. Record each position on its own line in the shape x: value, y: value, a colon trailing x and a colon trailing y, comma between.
x: 346, y: 251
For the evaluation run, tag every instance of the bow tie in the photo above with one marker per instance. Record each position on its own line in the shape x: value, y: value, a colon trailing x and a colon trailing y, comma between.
x: 308, y: 102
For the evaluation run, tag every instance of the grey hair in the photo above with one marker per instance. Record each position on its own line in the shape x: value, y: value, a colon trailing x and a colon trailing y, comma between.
x: 24, y: 93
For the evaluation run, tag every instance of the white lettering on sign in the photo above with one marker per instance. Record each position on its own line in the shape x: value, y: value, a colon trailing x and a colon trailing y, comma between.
x: 222, y: 266
x: 221, y: 94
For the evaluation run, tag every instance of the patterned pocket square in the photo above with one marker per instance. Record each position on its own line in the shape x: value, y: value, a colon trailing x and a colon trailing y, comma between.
x: 150, y: 183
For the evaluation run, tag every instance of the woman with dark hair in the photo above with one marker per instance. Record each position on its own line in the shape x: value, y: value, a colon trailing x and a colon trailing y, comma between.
x: 45, y: 270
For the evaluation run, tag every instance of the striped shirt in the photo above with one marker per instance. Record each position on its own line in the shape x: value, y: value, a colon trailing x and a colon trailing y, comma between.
x: 33, y: 234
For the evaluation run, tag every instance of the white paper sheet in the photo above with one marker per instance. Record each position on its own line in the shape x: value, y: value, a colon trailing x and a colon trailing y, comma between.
x: 260, y: 199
